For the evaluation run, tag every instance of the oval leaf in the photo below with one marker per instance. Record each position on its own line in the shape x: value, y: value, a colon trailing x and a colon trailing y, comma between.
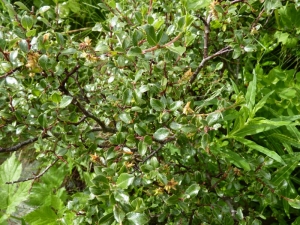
x: 161, y: 134
x: 124, y: 180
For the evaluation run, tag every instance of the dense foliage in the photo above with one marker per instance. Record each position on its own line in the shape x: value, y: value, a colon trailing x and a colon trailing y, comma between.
x: 150, y: 112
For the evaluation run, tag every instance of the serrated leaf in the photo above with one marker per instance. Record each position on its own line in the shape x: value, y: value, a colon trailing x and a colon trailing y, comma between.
x: 19, y: 196
x: 151, y: 36
x: 124, y: 180
x: 10, y: 170
x: 65, y: 101
x: 161, y: 134
x: 42, y: 216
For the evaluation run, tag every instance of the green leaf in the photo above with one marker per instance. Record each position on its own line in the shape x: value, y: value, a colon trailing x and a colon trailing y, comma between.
x: 189, y: 129
x: 295, y: 203
x: 139, y: 129
x: 142, y: 148
x: 175, y: 105
x: 192, y: 191
x: 172, y: 200
x: 11, y: 169
x: 196, y: 4
x: 27, y: 22
x: 236, y: 159
x: 127, y: 96
x: 108, y: 219
x: 161, y: 134
x: 261, y: 103
x: 125, y: 117
x: 256, y: 126
x: 205, y: 141
x: 22, y: 6
x: 137, y: 218
x: 288, y: 93
x: 24, y: 46
x: 124, y: 180
x: 42, y: 216
x: 151, y: 36
x: 250, y: 48
x: 251, y: 93
x: 134, y: 51
x: 253, y: 145
x: 178, y: 50
x: 157, y: 104
x: 43, y: 61
x: 56, y: 97
x: 14, y: 199
x: 119, y: 214
x: 284, y: 172
x: 65, y: 101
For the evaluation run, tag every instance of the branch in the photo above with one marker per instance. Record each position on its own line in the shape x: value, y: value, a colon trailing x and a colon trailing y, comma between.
x: 204, y: 60
x: 35, y: 177
x: 163, y: 46
x: 90, y: 115
x: 152, y: 154
x: 22, y: 144
x: 10, y: 72
x: 206, y: 34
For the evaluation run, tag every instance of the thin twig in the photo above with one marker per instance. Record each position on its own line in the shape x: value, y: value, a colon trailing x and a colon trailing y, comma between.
x: 163, y: 46
x: 35, y: 177
x: 90, y: 115
x: 204, y: 60
x: 10, y: 72
x: 152, y: 153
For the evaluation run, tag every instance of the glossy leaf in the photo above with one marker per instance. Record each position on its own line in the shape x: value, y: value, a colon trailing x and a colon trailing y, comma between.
x: 124, y: 180
x: 161, y: 134
x: 137, y: 218
x: 65, y: 101
x: 151, y: 36
x: 253, y: 145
